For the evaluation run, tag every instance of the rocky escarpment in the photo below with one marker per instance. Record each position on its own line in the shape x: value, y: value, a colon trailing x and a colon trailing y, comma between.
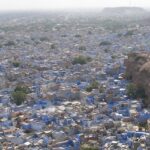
x: 138, y: 70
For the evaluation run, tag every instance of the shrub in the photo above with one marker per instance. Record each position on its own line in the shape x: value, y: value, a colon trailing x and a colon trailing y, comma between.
x: 143, y: 125
x: 113, y: 56
x: 128, y: 76
x: 22, y: 88
x: 81, y: 60
x: 93, y: 85
x: 131, y: 90
x: 16, y: 64
x: 89, y: 89
x: 141, y: 92
x: 18, y: 97
x: 105, y: 43
x: 88, y: 58
x: 19, y: 94
x: 101, y: 89
x: 135, y: 91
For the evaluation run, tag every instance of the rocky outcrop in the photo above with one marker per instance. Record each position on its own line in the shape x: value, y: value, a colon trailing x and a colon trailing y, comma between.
x: 138, y: 70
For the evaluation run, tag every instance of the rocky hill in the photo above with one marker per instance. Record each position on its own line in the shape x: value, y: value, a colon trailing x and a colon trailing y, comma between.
x: 138, y: 70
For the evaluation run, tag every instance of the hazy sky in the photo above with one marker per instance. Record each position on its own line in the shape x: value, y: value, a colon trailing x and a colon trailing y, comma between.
x: 63, y: 4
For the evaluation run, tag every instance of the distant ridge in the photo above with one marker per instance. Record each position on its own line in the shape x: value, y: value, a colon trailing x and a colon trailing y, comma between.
x: 123, y: 10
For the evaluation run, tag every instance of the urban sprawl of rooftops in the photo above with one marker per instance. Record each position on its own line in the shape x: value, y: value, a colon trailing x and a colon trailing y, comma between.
x: 63, y: 84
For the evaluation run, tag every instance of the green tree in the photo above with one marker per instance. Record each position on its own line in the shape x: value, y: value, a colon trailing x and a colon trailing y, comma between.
x: 141, y: 92
x: 22, y: 88
x: 135, y: 91
x: 18, y: 97
x: 132, y: 90
x: 19, y: 94
x: 89, y: 89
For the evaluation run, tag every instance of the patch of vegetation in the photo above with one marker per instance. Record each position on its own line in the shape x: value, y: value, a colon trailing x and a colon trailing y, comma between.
x: 141, y: 92
x: 22, y: 88
x: 143, y: 125
x: 131, y: 90
x: 16, y: 64
x: 138, y: 58
x: 18, y: 97
x: 101, y: 89
x: 81, y: 60
x: 105, y: 43
x: 128, y: 76
x: 113, y: 56
x: 93, y: 85
x: 89, y: 89
x: 135, y: 91
x: 19, y: 94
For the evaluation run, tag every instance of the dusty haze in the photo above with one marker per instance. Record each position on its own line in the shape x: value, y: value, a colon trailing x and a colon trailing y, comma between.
x: 65, y: 4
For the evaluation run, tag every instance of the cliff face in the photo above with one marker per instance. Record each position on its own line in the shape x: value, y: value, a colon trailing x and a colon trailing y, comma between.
x: 138, y: 70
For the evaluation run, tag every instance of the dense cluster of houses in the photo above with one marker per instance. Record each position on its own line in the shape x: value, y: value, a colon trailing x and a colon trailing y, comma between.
x: 60, y: 113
